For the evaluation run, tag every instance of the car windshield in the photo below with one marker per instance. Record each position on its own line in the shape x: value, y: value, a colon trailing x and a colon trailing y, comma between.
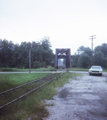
x: 95, y: 67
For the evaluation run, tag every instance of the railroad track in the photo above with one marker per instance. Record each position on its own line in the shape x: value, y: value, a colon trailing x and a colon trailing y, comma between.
x: 9, y: 96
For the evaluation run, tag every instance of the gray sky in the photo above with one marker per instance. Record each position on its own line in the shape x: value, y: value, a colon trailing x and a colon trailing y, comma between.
x: 67, y: 23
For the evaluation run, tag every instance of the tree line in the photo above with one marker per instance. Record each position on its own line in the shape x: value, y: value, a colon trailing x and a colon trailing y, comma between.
x: 83, y: 57
x: 17, y: 55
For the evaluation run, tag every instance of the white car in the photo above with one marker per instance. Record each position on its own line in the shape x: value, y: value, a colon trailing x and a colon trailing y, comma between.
x: 97, y: 70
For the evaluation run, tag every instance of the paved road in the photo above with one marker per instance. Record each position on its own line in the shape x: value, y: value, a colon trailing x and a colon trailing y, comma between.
x: 34, y: 72
x: 82, y: 72
x: 84, y: 98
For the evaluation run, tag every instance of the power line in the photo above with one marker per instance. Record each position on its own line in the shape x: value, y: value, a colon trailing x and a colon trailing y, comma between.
x: 92, y: 37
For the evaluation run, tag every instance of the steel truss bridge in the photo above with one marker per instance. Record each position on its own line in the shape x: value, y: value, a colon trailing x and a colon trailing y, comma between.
x: 63, y: 54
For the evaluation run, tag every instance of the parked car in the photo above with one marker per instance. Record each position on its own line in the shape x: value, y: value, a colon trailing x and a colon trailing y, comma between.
x: 97, y: 70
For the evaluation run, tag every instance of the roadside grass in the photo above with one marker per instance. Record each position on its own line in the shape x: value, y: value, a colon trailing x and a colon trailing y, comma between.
x: 82, y: 69
x: 104, y: 70
x: 41, y: 69
x: 77, y: 69
x: 11, y: 80
x: 31, y: 107
x: 17, y: 69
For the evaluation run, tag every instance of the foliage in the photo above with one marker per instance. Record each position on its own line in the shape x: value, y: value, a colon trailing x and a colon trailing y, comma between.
x: 81, y: 49
x: 84, y: 55
x: 15, y: 55
x: 83, y: 58
x: 84, y: 61
x: 49, y: 68
x: 36, y: 64
x: 100, y: 55
x: 74, y: 60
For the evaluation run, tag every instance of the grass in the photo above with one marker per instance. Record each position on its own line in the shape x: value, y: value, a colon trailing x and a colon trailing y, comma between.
x: 31, y: 106
x: 17, y: 70
x: 9, y: 96
x: 41, y: 69
x: 8, y: 81
x: 82, y: 69
x: 77, y: 69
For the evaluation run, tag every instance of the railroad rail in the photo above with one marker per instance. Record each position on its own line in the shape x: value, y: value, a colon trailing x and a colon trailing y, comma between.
x: 24, y: 84
x: 9, y: 96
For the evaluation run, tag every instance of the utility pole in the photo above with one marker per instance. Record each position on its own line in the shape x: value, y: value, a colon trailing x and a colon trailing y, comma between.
x: 29, y: 62
x: 41, y: 55
x: 92, y: 37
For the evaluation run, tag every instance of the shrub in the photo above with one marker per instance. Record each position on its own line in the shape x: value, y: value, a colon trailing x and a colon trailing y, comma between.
x: 36, y: 64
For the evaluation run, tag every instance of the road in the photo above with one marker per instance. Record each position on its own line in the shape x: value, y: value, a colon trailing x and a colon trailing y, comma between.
x: 84, y: 98
x: 33, y: 72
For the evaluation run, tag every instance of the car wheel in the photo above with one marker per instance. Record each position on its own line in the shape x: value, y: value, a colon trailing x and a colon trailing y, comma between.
x: 89, y: 73
x: 101, y: 74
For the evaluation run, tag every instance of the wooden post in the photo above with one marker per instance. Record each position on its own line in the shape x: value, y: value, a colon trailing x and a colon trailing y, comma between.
x: 56, y: 60
x: 29, y: 62
x: 41, y: 56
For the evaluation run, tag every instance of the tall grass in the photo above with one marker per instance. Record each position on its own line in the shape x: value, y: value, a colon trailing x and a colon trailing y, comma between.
x: 8, y: 81
x: 82, y: 69
x: 31, y: 106
x: 17, y: 69
x: 77, y: 69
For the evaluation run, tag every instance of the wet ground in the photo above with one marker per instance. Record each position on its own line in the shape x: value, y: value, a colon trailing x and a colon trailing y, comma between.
x: 84, y: 98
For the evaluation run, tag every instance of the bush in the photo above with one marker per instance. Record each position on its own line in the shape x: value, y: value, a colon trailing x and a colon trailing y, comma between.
x: 36, y: 64
x: 6, y: 69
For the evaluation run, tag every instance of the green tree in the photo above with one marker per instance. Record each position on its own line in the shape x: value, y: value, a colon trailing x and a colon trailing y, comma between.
x: 15, y: 55
x: 81, y: 49
x: 84, y: 60
x: 46, y: 51
x: 74, y: 60
x: 6, y: 52
x: 99, y: 59
x: 100, y: 55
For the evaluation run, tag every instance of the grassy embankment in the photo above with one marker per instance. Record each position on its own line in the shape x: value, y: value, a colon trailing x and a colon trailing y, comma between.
x: 17, y: 69
x: 31, y: 106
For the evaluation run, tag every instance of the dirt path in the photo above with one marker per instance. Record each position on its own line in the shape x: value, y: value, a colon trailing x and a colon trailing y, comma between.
x: 84, y: 98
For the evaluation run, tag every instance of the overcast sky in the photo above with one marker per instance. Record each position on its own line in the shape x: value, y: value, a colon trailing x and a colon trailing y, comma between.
x: 67, y: 23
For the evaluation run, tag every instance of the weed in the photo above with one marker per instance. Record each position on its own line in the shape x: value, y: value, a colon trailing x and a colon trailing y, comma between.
x: 8, y: 81
x: 38, y: 69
